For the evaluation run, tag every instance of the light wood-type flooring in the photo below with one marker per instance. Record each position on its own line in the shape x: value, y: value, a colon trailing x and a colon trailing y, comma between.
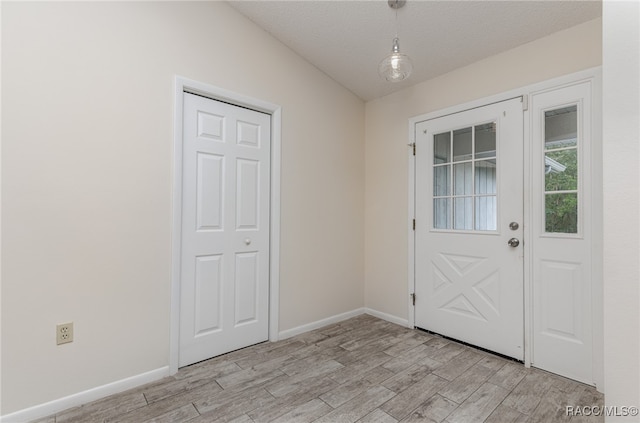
x: 361, y: 370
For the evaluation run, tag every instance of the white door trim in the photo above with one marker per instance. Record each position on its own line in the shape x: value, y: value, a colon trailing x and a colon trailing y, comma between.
x: 594, y: 75
x: 182, y: 85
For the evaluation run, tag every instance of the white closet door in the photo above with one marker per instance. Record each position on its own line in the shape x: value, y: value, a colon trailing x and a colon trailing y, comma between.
x: 225, y: 229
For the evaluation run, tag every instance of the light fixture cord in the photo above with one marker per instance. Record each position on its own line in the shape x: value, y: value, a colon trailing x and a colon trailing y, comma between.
x: 396, y: 18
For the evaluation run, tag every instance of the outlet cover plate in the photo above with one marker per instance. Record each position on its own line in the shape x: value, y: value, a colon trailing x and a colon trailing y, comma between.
x: 64, y: 333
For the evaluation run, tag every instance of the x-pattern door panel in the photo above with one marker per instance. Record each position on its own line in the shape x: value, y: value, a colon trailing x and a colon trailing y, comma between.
x: 466, y: 285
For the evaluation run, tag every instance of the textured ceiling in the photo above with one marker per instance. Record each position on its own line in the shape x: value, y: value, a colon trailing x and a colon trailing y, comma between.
x: 347, y: 39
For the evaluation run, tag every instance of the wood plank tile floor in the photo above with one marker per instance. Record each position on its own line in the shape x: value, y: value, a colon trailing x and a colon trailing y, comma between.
x: 361, y: 370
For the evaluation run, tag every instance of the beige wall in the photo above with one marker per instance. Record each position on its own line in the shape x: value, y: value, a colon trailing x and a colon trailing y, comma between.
x: 386, y: 198
x: 621, y: 149
x: 87, y: 96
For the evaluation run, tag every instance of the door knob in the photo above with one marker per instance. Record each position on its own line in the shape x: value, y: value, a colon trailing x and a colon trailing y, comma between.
x: 513, y: 242
x: 514, y: 226
x: 247, y: 241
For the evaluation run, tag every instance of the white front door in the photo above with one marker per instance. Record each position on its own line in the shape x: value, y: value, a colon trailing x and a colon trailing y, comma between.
x: 469, y: 233
x: 224, y: 286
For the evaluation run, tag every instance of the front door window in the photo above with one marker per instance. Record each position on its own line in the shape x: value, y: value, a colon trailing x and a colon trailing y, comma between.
x: 464, y: 179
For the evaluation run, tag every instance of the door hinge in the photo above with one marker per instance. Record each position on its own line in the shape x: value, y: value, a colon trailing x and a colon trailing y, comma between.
x: 414, y: 224
x: 525, y: 102
x: 413, y: 298
x: 413, y: 146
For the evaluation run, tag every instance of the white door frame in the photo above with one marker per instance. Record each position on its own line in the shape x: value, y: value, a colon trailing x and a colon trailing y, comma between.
x: 182, y: 85
x: 594, y: 75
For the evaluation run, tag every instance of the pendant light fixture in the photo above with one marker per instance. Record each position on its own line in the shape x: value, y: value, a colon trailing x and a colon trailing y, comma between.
x: 396, y: 66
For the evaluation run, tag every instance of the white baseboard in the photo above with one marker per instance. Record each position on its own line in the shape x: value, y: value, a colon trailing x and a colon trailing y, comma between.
x: 52, y: 407
x: 339, y: 318
x: 320, y: 323
x: 388, y: 317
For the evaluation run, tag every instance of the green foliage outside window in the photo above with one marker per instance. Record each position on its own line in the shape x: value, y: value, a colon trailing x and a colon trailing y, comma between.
x: 561, y: 208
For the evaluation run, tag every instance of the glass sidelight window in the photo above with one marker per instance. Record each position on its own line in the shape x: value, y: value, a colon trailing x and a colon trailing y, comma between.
x: 464, y: 179
x: 561, y: 170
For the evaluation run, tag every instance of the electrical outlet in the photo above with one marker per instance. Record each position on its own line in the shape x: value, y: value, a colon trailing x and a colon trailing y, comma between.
x: 64, y: 333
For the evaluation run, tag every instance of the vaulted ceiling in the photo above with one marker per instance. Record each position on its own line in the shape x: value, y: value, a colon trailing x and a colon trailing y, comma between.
x: 347, y: 39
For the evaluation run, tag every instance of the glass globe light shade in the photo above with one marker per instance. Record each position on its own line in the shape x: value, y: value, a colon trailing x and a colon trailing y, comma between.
x: 396, y: 66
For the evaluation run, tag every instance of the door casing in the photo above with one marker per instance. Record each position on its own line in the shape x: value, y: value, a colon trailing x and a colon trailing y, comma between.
x: 595, y: 76
x: 182, y: 85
